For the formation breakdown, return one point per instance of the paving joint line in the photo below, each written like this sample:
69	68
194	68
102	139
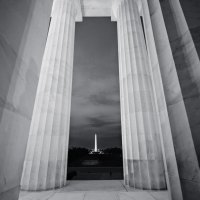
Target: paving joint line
84	195
124	186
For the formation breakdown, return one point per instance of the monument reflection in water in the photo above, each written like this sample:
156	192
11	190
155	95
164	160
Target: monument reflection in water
95	164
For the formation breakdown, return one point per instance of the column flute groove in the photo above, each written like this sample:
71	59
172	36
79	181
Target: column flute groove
182	141
43	171
122	105
131	54
126	67
46	157
135	90
52	159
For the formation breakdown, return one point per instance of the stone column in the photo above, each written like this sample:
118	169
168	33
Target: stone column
23	38
142	153
45	164
172	175
187	63
182	138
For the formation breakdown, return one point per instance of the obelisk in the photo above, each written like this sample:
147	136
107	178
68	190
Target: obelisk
95	143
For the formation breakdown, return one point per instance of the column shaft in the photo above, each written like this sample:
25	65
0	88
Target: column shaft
182	138
187	63
142	153
46	156
172	175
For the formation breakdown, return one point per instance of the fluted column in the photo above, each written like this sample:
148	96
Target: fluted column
172	174
142	153
45	164
182	139
187	63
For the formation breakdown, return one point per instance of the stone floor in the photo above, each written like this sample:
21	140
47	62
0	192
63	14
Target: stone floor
95	190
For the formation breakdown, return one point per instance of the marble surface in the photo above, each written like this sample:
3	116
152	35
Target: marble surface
187	65
195	32
23	32
191	88
96	8
142	152
95	190
186	57
172	92
192	15
45	164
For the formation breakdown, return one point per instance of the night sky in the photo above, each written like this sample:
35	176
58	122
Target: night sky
95	91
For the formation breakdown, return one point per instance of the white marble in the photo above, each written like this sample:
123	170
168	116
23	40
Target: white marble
45	165
172	175
96	8
83	190
180	127
142	152
23	32
150	94
188	70
95	185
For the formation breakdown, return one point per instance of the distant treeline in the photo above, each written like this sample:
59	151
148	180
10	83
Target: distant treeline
76	153
114	150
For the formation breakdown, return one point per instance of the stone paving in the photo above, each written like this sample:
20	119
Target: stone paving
95	190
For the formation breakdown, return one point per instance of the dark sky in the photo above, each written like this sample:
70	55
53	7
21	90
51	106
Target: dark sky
95	92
